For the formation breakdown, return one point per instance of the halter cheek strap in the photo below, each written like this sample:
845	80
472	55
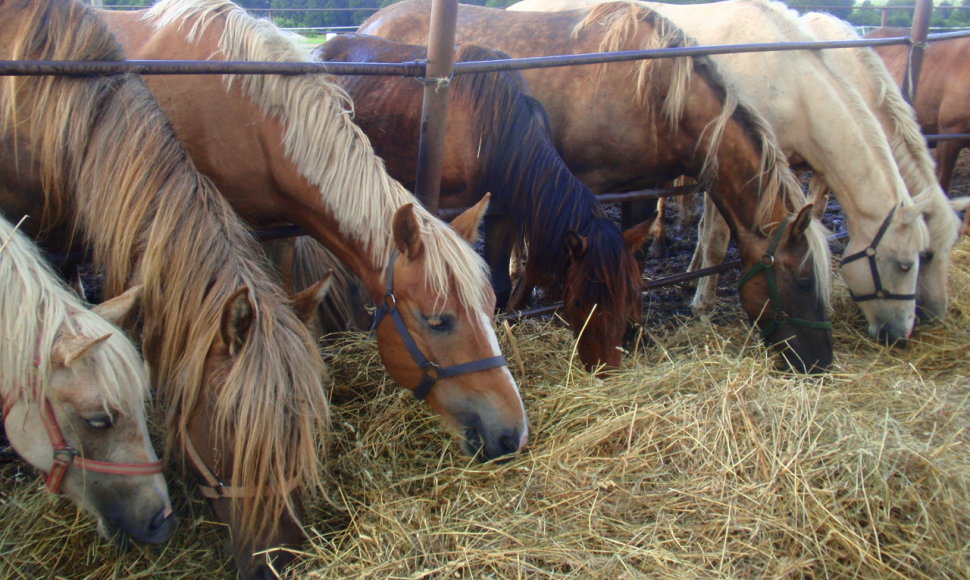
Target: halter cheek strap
778	316
880	293
431	372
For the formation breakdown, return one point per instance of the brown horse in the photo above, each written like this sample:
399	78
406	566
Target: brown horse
942	95
499	142
73	392
625	126
249	134
234	368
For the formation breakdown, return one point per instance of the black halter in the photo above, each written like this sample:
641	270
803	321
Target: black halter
778	316
880	293
432	372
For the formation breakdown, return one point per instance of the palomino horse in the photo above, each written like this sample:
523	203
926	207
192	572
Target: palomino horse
942	94
624	126
854	160
499	142
73	392
234	368
898	121
250	135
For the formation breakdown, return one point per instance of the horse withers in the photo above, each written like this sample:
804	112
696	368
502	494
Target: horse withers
74	391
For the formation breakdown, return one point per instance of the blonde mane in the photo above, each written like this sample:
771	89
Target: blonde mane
35	308
776	182
104	148
335	155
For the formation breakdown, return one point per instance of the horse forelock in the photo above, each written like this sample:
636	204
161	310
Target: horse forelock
31	286
336	157
114	150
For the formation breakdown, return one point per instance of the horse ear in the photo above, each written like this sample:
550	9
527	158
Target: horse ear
576	245
467	223
407	232
909	214
121	309
635	237
69	348
802	221
237	318
306	301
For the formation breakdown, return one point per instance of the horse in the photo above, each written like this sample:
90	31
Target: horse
624	126
855	161
869	76
96	161
942	106
498	142
435	304
73	393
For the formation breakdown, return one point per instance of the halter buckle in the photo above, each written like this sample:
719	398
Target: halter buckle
65	455
870	251
431	371
882	293
768	260
390	301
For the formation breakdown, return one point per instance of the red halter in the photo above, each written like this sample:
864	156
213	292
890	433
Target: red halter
66	456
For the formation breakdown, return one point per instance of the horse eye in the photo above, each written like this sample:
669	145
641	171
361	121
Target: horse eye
926	256
443	323
803	284
99	423
905	266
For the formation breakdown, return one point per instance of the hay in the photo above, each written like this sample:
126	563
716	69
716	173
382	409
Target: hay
699	460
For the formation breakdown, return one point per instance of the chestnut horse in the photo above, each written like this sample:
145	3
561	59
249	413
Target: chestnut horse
625	126
73	392
498	141
868	75
252	135
234	368
942	95
854	160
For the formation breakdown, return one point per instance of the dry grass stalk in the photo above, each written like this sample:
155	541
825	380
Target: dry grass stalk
699	460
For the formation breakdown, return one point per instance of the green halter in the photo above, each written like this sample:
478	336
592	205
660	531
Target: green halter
766	265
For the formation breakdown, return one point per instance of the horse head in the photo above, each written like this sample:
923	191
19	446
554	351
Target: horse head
601	293
782	293
86	430
442	346
882	274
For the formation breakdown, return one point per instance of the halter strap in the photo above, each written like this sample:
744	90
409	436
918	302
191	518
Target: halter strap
766	265
431	371
64	455
215	488
880	292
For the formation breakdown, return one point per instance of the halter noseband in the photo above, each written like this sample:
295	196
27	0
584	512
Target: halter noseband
766	265
880	293
431	371
65	456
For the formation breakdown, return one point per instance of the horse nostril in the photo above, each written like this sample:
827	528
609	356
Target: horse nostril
508	443
161	519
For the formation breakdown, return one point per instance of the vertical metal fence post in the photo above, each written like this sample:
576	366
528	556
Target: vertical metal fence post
434	115
917	39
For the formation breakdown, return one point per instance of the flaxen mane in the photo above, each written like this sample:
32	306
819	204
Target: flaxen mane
106	149
529	180
777	184
335	155
35	307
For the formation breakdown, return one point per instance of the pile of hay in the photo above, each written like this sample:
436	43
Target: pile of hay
698	460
